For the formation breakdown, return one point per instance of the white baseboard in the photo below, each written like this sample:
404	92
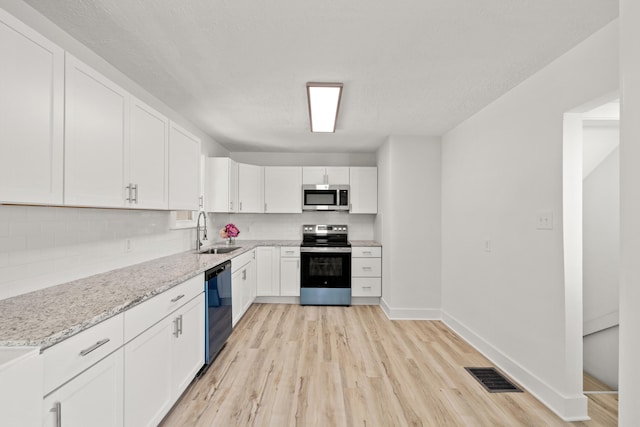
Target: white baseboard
410	313
569	408
277	300
296	300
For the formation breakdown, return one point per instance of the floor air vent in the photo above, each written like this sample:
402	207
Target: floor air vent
493	381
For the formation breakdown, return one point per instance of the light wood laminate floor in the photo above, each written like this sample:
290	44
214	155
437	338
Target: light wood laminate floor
288	365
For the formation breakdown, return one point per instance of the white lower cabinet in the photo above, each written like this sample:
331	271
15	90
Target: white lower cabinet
93	398
147	379
162	361
290	271
243	284
366	271
268	271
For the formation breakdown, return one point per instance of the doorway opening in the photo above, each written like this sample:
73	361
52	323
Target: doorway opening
591	222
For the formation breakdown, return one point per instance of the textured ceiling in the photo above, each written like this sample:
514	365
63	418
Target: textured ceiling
237	69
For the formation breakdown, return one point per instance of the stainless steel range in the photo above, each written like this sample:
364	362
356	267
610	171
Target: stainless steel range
325	273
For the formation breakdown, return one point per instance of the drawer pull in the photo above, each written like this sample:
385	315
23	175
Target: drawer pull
367	253
57	408
366	268
366	287
94	347
179	297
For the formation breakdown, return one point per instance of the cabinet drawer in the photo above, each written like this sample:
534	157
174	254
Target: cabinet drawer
366	252
65	360
146	314
366	267
242	260
290	252
366	287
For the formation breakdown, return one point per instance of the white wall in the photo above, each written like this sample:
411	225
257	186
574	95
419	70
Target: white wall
45	246
408	226
629	413
499	169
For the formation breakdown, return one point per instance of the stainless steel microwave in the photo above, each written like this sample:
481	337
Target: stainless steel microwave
324	197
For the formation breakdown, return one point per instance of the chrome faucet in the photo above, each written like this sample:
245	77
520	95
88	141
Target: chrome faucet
198	241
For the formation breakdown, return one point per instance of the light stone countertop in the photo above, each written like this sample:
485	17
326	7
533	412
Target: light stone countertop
364	243
46	317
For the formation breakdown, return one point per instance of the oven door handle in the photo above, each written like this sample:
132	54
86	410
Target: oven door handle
324	250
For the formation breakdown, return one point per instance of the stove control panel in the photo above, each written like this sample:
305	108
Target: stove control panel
324	229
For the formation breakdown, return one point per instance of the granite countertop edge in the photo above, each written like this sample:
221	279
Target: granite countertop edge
29	321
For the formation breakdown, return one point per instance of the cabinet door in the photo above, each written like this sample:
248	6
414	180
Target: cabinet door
290	277
337	176
31	107
250	188
96	119
188	356
93	398
267	271
313	175
237	295
148	159
184	169
147	376
364	190
221	185
282	189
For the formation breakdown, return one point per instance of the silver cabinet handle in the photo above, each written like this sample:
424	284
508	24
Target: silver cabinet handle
129	188
366	268
135	197
179	297
367	253
57	408
176	328
201	201
180	324
94	347
240	206
366	287
230	206
244	274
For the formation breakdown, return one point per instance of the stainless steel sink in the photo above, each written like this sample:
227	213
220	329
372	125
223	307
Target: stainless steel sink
219	251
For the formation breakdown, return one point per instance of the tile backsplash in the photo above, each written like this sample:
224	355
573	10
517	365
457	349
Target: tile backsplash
289	226
45	246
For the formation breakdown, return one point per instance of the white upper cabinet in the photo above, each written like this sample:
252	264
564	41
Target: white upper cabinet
184	169
148	164
363	190
96	135
325	175
250	188
282	189
32	111
221	185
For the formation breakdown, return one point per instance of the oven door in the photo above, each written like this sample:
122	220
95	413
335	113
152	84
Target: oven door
325	267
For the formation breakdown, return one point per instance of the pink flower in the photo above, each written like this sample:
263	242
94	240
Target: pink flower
231	230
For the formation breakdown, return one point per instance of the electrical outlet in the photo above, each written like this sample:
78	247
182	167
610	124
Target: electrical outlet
544	220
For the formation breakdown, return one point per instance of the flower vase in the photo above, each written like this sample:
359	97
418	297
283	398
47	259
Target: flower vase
230	241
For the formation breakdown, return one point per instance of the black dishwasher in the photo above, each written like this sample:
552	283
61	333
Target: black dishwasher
218	315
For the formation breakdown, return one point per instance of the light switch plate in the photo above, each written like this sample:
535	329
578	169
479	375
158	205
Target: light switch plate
544	220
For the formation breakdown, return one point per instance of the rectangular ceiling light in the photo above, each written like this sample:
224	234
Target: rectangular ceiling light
324	103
